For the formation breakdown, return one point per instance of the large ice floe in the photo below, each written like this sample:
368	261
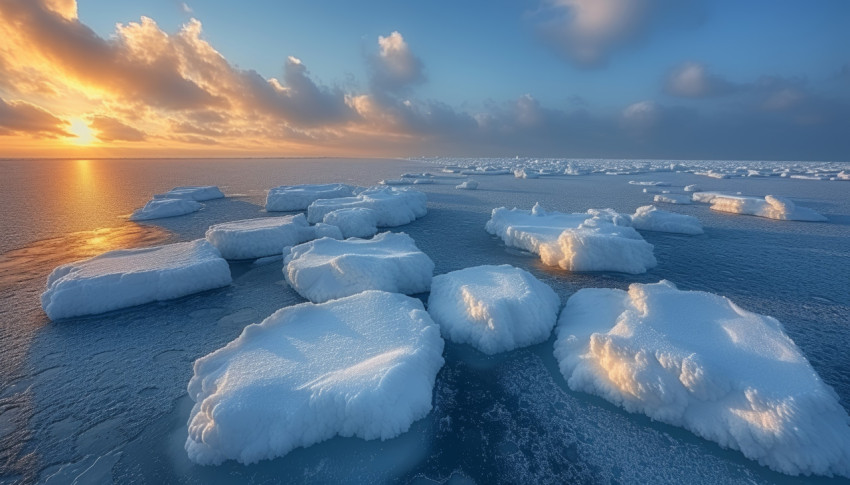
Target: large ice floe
392	206
326	269
129	277
353	221
257	238
298	197
493	308
161	208
198	193
696	360
650	218
771	207
360	366
598	240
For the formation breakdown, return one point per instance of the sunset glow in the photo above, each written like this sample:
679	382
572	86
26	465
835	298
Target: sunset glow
82	133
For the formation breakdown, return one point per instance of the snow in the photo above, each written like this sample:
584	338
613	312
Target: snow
650	218
392	206
257	238
297	197
696	360
599	240
771	207
672	199
467	185
160	208
325	269
353	222
197	193
493	308
361	366
124	278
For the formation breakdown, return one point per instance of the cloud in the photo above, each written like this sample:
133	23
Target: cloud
23	117
693	80
110	129
394	67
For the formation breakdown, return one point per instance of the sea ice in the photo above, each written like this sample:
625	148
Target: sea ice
392	206
297	197
525	173
707	197
650	184
197	193
493	308
771	207
672	198
124	278
353	222
257	238
693	188
161	208
650	218
592	241
467	185
696	360
325	269
360	366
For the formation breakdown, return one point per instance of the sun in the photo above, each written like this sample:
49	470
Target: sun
84	135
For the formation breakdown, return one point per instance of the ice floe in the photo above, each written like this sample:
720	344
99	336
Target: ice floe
198	193
493	308
693	188
353	222
392	206
467	185
361	366
161	208
696	360
771	207
257	238
672	198
297	197
592	241
650	218
325	269
124	278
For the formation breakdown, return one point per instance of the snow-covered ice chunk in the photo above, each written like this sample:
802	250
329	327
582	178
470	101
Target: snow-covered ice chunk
525	173
493	308
649	183
467	185
672	198
692	188
257	238
161	208
392	206
298	197
706	197
360	366
651	218
696	360
354	221
198	193
124	278
592	241
325	269
771	207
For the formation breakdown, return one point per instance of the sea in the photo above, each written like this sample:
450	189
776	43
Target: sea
102	399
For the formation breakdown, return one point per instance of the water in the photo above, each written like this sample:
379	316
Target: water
103	397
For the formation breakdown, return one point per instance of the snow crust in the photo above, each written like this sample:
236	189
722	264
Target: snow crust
360	366
771	207
124	278
257	238
392	206
326	269
493	308
598	240
287	198
696	360
160	208
197	193
650	218
354	221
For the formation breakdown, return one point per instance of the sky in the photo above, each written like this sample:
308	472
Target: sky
670	79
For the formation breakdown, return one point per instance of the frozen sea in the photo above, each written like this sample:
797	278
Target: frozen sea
103	399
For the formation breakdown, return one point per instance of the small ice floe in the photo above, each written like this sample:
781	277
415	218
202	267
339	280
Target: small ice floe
257	238
197	193
525	173
693	188
707	197
392	206
808	177
360	366
649	184
486	171
598	240
396	182
297	197
713	174
325	269
493	308
672	198
771	207
124	278
696	360
842	175
467	185
162	208
650	218
353	222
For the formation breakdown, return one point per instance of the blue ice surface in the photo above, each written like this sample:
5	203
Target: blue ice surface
104	397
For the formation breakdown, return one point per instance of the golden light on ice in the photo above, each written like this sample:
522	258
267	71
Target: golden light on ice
84	135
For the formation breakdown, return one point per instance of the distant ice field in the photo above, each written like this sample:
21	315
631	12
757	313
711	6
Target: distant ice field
103	398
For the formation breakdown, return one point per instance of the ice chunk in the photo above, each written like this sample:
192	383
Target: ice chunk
467	185
124	278
672	198
325	230
360	366
649	183
299	197
706	197
693	188
650	218
392	206
525	173
257	238
696	360
771	207
354	221
198	193
493	308
325	269
160	208
593	241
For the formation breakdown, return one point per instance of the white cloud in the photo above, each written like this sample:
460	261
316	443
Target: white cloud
693	80
395	67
